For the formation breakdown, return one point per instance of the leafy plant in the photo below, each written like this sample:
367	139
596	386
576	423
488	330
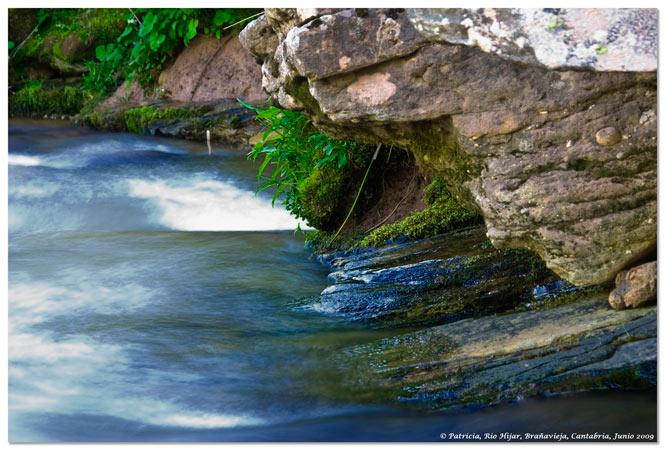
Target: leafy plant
150	39
291	150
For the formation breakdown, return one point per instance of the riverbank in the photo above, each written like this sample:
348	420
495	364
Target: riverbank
142	258
471	213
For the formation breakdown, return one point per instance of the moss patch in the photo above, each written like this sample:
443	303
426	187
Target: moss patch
443	213
34	100
64	39
138	120
321	193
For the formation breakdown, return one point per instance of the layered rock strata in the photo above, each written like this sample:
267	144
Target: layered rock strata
561	162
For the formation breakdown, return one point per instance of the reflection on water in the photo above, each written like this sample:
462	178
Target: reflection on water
126	324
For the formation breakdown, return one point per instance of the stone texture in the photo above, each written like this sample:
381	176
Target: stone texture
577	347
518	141
635	287
433	281
609	39
259	38
493	326
608	136
210	69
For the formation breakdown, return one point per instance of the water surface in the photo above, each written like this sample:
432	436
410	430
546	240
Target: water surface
151	298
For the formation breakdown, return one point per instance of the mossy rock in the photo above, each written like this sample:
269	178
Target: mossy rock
65	39
21	22
321	193
33	100
138	120
443	213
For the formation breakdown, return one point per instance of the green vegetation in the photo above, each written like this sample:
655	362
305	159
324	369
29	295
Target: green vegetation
306	168
104	47
442	213
35	99
150	39
66	36
138	120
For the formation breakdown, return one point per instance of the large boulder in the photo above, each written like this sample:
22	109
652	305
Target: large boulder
211	69
562	162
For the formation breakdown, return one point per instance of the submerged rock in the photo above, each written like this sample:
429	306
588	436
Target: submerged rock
517	140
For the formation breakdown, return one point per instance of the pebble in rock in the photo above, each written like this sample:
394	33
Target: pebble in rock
608	136
635	287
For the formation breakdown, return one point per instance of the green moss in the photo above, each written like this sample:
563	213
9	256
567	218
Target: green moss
139	120
35	100
321	194
103	24
443	213
65	38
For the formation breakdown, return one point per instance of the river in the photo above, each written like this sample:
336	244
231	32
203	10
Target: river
151	298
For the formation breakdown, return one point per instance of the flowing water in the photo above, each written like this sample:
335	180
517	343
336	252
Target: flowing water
151	298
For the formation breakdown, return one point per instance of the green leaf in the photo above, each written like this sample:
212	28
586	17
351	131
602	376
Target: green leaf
149	21
191	30
100	52
12	44
126	32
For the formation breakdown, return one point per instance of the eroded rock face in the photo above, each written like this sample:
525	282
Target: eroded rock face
577	347
560	162
635	287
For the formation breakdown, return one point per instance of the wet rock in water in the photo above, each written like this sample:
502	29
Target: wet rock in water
493	326
635	287
434	281
580	346
480	105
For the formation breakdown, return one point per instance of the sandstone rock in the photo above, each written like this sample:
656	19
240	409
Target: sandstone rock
577	347
284	19
635	287
210	69
259	38
608	136
126	94
518	141
593	39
